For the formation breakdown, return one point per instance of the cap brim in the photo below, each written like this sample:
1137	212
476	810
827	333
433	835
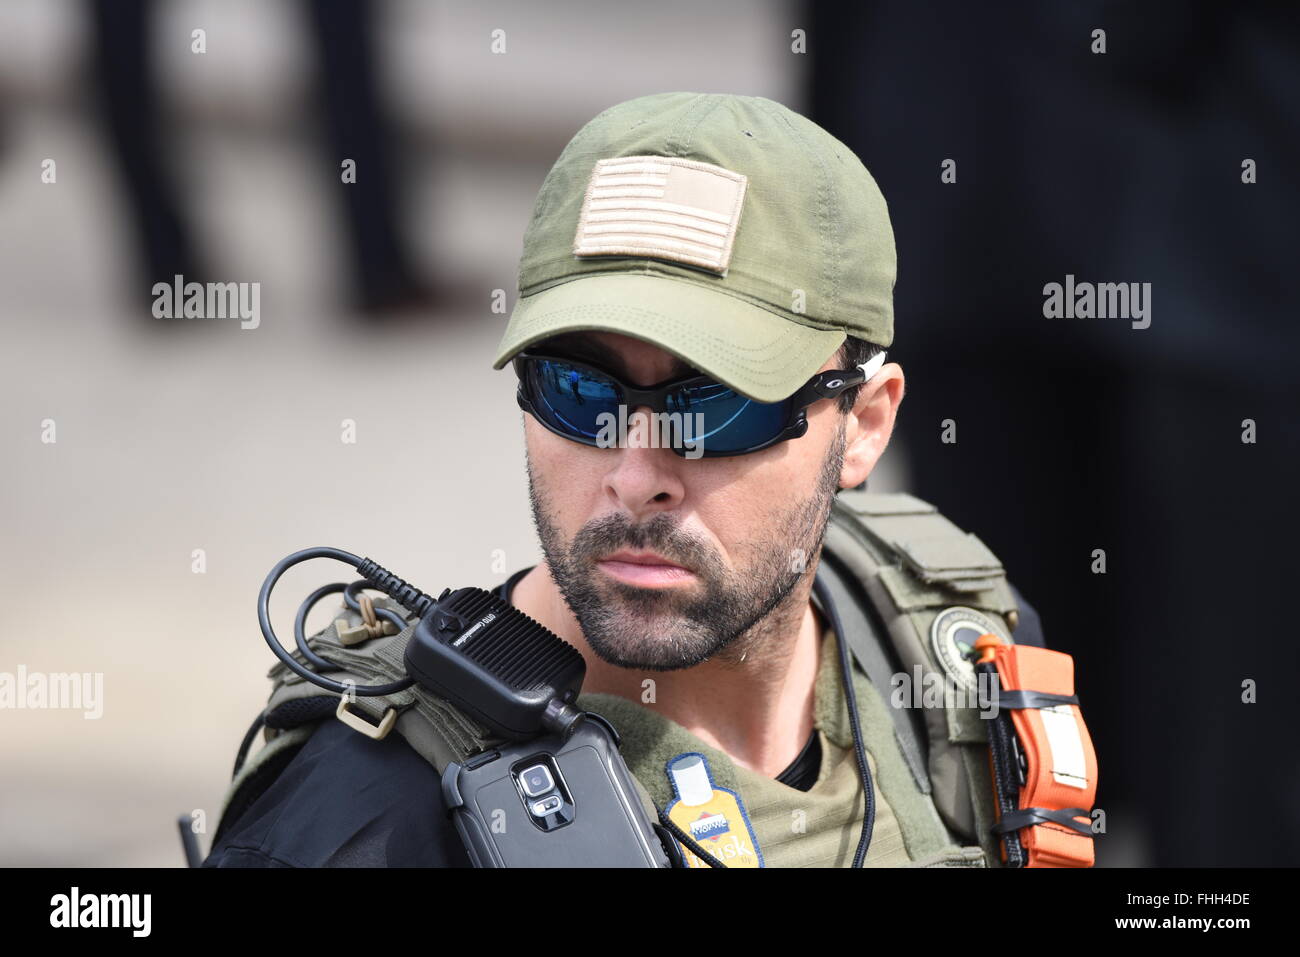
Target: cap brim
760	354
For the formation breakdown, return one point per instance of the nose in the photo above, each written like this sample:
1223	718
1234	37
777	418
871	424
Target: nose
644	481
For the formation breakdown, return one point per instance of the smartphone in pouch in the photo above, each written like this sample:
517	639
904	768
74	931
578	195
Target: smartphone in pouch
549	802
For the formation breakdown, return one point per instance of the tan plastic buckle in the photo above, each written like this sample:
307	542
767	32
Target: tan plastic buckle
369	627
357	723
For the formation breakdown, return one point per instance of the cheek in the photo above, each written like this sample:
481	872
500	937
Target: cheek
569	475
769	481
746	497
825	427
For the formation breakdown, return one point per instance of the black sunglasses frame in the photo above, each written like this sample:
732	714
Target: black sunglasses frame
824	385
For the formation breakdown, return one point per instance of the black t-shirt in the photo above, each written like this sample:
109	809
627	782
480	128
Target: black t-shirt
345	800
803	770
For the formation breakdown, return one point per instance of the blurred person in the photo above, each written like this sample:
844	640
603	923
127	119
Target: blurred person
385	279
384	273
128	93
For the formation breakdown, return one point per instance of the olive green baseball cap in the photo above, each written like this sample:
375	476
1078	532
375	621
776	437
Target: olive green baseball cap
727	230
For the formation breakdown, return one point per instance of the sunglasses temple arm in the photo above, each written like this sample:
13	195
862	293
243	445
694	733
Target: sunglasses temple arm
872	366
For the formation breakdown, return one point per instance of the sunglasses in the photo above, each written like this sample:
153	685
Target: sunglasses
580	401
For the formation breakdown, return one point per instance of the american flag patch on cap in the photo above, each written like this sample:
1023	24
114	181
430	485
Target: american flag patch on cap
662	207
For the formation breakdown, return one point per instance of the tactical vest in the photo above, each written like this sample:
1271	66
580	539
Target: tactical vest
902	578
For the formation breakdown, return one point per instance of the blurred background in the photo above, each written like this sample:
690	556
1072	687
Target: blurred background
191	455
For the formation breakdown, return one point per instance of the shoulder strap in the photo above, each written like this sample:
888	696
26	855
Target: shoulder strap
437	731
874	655
915	571
257	774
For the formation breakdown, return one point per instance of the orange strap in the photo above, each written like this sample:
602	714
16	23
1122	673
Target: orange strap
1061	764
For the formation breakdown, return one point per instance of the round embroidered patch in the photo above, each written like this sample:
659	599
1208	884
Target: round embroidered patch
952	636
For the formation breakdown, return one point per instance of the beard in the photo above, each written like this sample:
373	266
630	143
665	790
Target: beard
729	614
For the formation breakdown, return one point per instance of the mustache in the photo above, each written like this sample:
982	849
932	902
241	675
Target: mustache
661	534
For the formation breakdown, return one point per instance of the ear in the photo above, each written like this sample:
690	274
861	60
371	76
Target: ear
870	424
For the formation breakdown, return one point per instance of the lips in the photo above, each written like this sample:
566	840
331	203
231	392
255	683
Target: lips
645	569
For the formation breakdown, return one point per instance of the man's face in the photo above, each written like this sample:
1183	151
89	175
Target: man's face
666	561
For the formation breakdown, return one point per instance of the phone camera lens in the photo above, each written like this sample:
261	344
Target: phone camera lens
537	780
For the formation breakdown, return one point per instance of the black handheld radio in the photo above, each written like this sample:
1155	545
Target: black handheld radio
556	792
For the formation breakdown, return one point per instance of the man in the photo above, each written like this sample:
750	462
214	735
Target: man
722	267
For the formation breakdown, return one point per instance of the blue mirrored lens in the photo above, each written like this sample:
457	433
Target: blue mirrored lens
731	422
571	398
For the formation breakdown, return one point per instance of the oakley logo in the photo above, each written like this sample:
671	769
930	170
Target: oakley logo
869	369
661	207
